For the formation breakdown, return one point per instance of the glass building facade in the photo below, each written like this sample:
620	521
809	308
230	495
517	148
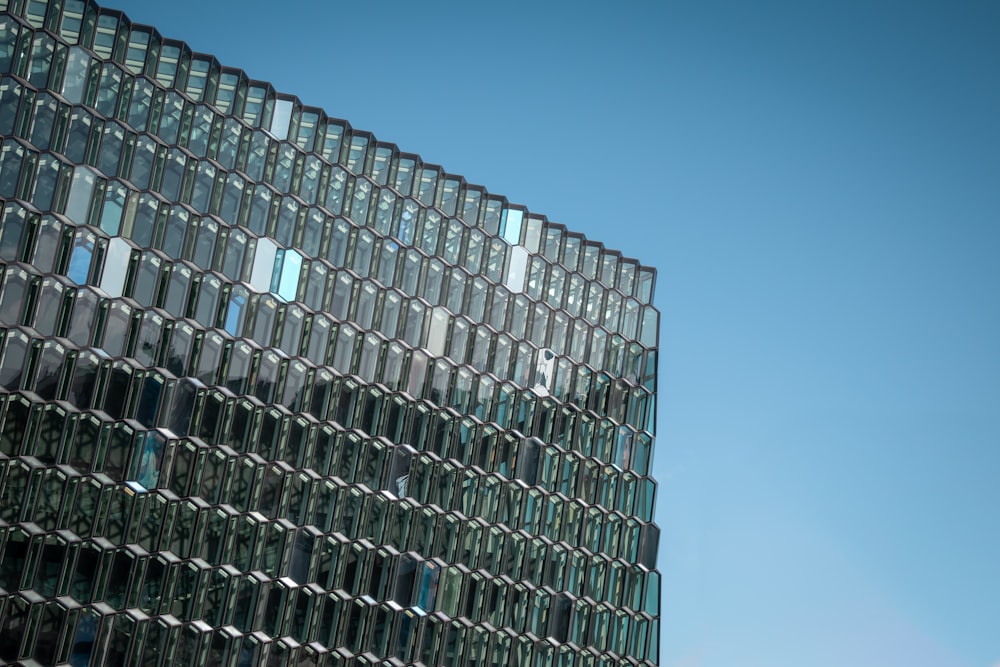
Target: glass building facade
274	392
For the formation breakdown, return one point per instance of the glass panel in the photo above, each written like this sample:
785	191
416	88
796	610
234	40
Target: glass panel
286	272
510	225
263	265
42	55
78	205
281	119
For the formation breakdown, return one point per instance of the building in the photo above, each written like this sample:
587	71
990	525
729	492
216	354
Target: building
274	392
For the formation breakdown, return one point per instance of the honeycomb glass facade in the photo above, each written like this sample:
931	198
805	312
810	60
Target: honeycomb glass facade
274	392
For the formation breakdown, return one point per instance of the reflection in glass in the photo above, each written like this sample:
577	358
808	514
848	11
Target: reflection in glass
332	377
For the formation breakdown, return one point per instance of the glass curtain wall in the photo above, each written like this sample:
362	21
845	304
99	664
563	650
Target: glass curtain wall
273	391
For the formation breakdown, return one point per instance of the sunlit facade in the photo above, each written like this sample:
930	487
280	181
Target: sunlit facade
274	392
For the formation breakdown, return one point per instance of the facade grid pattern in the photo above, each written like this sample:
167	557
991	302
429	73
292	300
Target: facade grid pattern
274	392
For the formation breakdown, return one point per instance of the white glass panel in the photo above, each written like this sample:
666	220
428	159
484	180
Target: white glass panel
80	192
115	266
263	265
438	334
281	119
544	369
76	75
516	269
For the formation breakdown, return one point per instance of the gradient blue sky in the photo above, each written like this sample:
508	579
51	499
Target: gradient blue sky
818	185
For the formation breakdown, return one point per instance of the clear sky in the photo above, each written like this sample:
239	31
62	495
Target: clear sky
818	185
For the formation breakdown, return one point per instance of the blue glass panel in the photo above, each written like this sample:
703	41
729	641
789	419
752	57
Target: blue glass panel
234	313
79	262
510	225
427	586
406	228
149	457
285	276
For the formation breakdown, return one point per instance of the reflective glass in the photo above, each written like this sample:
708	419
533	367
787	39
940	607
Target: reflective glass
294	395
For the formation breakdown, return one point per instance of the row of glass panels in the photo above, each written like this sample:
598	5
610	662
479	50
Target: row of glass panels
84	318
279	168
136	274
123	391
112	90
122	451
116	208
62	631
61	564
276	548
344	295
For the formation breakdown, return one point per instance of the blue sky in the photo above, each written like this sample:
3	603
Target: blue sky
818	185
